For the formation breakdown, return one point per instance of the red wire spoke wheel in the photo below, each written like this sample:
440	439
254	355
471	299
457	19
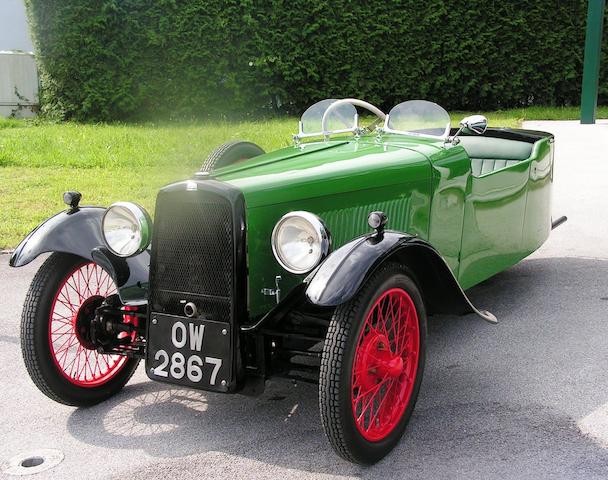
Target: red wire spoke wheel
372	365
386	362
82	291
58	351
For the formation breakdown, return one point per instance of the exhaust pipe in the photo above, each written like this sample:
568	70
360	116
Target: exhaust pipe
558	222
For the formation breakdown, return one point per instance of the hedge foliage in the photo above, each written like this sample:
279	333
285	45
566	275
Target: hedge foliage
117	59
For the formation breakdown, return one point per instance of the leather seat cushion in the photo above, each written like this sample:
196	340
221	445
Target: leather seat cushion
486	147
488	154
481	166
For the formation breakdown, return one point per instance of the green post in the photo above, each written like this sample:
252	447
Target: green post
591	67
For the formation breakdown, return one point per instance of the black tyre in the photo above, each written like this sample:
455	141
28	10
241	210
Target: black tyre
55	340
372	366
229	153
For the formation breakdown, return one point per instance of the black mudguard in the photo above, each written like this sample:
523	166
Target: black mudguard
341	275
79	232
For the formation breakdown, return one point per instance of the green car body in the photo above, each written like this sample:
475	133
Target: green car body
480	225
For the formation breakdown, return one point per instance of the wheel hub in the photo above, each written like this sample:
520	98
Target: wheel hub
83	319
378	361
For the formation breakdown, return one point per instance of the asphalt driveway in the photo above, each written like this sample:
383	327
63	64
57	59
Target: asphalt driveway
523	399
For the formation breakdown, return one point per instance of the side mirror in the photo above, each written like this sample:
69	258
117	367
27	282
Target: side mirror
474	124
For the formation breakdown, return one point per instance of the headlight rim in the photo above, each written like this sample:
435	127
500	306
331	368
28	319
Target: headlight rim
320	229
143	220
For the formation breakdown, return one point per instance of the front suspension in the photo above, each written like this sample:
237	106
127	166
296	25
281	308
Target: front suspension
118	329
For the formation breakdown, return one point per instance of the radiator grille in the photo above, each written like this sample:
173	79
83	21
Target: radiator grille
193	254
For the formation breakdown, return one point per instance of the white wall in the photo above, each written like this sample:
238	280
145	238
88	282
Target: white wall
18	71
14	31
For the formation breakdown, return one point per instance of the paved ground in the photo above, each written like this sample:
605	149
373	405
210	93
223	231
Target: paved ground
505	401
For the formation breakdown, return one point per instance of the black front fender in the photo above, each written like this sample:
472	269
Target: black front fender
343	273
79	232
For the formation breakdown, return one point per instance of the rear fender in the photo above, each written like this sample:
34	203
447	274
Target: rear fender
79	232
343	273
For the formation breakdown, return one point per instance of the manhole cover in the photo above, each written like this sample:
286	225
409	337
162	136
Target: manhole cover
33	462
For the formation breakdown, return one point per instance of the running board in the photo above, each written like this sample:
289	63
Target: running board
558	222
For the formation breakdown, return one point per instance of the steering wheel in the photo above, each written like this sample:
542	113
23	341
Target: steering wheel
356	102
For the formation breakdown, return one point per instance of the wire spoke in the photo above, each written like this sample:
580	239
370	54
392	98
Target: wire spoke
376	415
371	390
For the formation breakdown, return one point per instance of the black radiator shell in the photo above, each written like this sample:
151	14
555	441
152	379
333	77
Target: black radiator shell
197	225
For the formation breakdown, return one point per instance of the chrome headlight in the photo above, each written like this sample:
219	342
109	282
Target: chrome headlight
300	241
126	228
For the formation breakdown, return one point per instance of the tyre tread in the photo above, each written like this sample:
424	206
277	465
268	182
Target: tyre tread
28	322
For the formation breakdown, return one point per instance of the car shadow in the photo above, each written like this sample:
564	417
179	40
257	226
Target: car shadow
496	400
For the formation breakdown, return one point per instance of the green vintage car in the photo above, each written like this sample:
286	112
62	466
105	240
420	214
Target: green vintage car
318	262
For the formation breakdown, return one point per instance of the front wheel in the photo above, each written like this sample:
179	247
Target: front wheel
372	366
55	333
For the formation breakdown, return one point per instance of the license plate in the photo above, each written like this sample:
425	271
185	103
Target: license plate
191	352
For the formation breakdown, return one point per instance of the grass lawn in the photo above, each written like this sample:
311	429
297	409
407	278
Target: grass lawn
107	163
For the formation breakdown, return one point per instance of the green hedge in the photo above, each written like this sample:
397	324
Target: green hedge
116	59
